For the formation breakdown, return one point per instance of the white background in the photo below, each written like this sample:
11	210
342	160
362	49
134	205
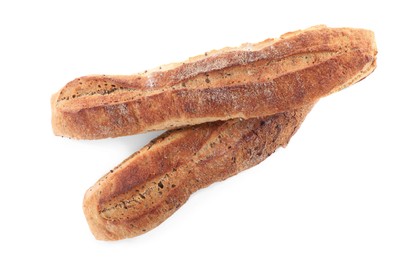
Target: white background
340	190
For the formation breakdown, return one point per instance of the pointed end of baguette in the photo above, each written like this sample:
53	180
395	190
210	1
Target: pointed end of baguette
367	48
99	226
55	122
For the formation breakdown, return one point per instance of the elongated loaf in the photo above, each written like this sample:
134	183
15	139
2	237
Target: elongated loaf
152	184
253	80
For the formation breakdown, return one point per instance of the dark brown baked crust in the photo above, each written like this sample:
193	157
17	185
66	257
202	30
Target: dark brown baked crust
153	183
249	81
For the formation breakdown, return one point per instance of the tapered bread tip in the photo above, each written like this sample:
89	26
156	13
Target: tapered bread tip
55	118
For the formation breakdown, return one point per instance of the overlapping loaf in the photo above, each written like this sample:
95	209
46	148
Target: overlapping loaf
152	184
250	81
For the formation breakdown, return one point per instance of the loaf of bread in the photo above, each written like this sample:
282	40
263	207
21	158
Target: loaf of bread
253	80
153	183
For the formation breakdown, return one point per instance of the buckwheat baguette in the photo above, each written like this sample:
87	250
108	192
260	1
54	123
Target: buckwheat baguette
152	184
250	81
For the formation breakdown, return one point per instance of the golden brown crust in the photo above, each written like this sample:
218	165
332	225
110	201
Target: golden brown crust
245	82
273	84
153	183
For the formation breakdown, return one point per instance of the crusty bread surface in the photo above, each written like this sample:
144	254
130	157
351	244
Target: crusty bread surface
152	184
249	81
228	110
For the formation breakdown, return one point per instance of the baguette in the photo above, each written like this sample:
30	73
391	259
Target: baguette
253	80
152	184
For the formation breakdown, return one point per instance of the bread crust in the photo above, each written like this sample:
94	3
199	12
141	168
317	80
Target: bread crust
249	81
262	92
152	184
